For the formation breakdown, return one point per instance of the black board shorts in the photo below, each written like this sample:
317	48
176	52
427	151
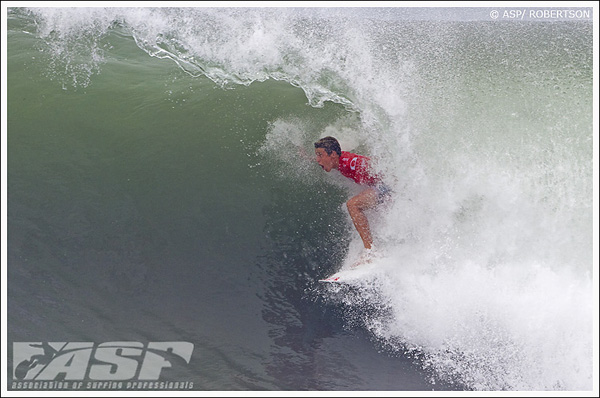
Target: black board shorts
383	192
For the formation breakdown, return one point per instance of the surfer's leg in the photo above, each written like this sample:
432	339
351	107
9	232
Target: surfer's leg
365	200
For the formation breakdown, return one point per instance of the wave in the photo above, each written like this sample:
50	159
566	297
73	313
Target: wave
483	131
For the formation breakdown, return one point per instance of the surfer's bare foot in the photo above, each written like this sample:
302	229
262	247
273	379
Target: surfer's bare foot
358	263
365	258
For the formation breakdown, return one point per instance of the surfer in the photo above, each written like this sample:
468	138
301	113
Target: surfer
356	167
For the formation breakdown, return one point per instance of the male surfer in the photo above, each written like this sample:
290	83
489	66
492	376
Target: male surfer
356	167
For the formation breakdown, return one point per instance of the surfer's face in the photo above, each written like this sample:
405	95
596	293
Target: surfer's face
327	162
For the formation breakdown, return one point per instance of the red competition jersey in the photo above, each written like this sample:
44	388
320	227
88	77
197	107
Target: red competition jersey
356	167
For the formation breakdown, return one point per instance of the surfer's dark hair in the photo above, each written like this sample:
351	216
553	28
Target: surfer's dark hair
330	145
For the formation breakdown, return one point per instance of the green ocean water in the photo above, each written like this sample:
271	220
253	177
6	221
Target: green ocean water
157	191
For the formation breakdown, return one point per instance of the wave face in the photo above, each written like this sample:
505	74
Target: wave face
156	190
